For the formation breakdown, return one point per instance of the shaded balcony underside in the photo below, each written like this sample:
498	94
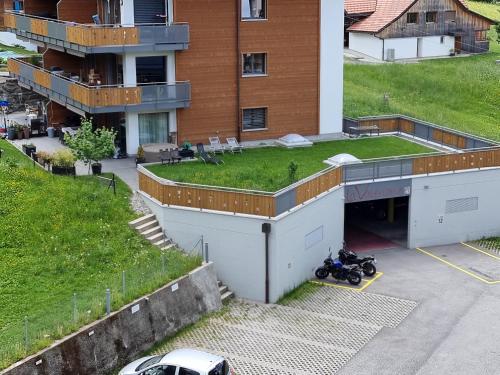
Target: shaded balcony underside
101	99
87	39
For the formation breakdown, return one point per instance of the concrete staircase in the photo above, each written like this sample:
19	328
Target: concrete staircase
149	227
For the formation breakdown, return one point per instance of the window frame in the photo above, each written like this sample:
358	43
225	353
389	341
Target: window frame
435	17
483	35
249	75
266	120
258	19
417	15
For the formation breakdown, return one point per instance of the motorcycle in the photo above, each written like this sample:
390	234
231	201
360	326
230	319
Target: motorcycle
367	264
339	271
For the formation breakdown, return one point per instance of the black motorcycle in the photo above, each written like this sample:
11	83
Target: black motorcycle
367	264
339	271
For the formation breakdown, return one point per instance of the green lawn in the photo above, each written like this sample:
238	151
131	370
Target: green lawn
60	236
266	169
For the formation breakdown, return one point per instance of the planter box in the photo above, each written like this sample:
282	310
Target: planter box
28	150
186	153
65	171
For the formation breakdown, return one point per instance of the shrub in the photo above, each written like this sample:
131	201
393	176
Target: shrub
44	157
63	158
292	171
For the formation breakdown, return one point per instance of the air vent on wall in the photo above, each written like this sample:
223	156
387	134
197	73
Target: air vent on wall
462	205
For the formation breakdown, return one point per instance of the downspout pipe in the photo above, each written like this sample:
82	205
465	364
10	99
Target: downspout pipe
266	229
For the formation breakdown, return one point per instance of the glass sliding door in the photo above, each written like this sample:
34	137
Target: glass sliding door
153	128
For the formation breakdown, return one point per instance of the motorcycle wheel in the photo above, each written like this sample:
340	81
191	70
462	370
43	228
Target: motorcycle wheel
354	278
369	269
321	273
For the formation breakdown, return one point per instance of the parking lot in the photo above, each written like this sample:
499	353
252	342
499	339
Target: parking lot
434	311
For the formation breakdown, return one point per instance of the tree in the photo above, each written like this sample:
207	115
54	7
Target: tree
91	146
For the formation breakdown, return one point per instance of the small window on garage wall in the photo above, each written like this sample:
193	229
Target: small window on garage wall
314	238
254	119
412	18
431	17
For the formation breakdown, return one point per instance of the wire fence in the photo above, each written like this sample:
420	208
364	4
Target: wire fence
30	333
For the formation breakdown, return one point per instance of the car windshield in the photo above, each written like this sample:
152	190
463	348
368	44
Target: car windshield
149	362
221	368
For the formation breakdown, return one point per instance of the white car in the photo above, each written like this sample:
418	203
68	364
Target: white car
179	362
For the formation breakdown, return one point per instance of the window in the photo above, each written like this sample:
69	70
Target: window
480	36
431	17
153	128
149	362
221	369
185	371
442	40
160	370
254	64
253	9
412	18
450	16
254	119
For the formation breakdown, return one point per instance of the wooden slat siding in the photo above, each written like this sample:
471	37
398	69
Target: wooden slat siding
449	139
40	27
42	78
9	20
406	126
456	162
13	66
95	37
105	97
319	185
385	125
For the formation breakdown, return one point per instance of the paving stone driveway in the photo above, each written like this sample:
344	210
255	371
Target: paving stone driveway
315	335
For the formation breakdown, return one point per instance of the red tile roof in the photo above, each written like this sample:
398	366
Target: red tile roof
385	13
360	6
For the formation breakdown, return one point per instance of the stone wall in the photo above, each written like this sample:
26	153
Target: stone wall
121	337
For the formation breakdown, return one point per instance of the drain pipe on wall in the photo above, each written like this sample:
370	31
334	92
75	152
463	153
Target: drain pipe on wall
266	229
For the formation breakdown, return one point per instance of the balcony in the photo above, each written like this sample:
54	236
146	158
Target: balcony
90	38
81	98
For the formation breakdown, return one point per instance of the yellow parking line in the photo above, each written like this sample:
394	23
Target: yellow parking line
480	251
459	268
366	285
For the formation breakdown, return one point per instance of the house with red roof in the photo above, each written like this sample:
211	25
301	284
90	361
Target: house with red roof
403	29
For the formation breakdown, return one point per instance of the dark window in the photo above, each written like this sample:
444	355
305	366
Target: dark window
254	118
151	69
450	15
149	362
221	369
254	64
431	17
185	371
253	9
160	370
412	18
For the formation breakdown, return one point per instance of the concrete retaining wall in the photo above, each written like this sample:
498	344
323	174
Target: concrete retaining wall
115	340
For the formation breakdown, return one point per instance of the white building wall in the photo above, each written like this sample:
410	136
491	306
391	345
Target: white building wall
432	46
404	48
331	66
367	44
430	225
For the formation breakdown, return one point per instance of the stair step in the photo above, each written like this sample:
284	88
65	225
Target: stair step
148	233
163	242
227	296
144	227
144	219
155	238
168	247
223	289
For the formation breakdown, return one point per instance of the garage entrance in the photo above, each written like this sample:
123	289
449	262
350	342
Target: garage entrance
376	215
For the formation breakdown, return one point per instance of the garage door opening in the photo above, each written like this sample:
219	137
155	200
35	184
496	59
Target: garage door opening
377	224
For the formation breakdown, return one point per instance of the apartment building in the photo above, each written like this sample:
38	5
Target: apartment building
182	70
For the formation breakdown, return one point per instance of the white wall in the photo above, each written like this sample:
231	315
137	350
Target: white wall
331	66
427	206
405	48
132	132
367	44
293	262
432	46
10	39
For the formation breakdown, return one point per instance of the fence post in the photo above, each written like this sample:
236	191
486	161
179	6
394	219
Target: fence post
124	284
75	311
206	253
108	301
26	339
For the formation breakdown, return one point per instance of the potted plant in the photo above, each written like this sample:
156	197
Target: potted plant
29	149
92	146
63	163
11	132
19	131
141	156
186	151
26	132
44	158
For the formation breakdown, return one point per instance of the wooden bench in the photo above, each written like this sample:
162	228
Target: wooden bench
358	130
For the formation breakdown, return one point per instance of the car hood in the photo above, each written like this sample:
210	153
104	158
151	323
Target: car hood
130	368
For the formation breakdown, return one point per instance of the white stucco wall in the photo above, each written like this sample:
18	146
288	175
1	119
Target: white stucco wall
432	46
367	44
427	207
405	48
331	66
